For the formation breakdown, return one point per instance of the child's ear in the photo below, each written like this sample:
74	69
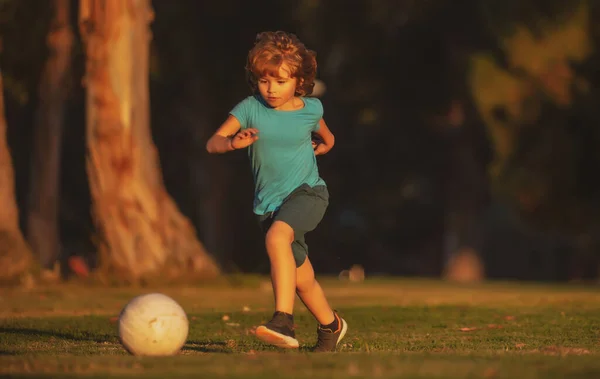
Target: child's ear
299	90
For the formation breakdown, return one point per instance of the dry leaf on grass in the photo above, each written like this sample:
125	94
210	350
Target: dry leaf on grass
353	369
467	329
79	267
490	373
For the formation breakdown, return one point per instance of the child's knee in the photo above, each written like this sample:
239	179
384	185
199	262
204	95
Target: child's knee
279	233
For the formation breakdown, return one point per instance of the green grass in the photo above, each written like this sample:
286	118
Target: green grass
398	328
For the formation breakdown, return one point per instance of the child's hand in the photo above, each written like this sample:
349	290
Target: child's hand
321	149
317	145
244	138
316	140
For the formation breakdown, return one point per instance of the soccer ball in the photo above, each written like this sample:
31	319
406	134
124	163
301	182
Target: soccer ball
153	325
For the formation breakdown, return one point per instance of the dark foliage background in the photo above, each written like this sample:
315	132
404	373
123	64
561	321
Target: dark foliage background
411	175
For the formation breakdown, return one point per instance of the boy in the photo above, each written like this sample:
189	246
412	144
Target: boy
276	124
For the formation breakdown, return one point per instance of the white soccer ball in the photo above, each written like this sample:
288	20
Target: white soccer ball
153	325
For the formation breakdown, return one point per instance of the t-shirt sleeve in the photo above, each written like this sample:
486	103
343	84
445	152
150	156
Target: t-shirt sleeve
241	111
318	106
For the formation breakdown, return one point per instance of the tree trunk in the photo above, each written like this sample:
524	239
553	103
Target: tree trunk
141	232
15	256
43	221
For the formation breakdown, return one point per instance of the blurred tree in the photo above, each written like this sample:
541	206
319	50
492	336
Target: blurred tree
524	100
44	187
141	232
537	69
539	101
15	255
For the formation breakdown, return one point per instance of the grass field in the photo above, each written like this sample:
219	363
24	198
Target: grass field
398	328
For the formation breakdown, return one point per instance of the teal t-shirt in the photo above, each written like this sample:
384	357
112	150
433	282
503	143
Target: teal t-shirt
282	159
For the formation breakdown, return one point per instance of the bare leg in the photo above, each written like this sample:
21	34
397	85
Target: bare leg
312	295
283	267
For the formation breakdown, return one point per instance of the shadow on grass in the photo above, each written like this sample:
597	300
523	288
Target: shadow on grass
191	346
208	347
80	336
225	347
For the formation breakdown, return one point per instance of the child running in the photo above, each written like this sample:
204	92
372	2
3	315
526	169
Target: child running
277	125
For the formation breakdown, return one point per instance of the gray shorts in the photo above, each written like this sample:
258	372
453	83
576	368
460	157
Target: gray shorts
302	210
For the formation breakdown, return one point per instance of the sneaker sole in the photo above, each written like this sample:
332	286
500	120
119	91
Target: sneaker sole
276	339
343	332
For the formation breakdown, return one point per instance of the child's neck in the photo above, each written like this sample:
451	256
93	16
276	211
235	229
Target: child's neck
292	104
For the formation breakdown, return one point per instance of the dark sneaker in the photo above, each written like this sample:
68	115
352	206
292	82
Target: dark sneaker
278	332
327	339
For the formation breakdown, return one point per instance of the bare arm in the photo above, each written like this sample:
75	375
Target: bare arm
227	138
327	139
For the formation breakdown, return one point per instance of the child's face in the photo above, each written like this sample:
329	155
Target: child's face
277	91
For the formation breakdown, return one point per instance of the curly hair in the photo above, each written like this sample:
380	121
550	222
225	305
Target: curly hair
271	50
